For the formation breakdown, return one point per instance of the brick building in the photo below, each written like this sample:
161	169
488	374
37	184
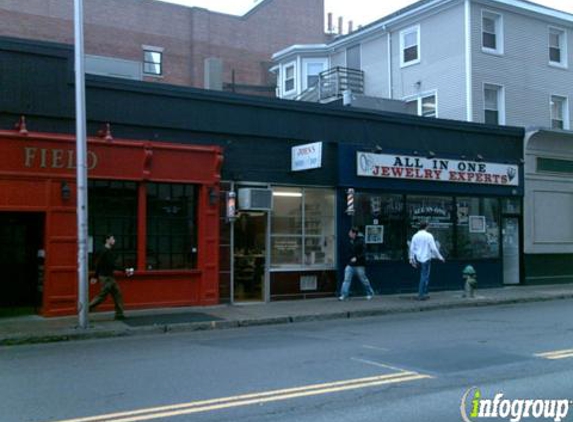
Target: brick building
156	41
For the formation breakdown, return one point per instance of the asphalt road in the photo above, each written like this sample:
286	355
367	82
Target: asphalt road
408	367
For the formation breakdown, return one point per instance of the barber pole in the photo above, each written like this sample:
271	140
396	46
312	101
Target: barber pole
350	201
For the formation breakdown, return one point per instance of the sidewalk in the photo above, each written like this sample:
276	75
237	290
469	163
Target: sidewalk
36	329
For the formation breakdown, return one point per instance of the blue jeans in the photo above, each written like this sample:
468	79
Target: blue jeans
424	278
349	272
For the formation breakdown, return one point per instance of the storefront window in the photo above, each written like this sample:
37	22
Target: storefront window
381	219
302	228
171	226
478	228
113	210
438	212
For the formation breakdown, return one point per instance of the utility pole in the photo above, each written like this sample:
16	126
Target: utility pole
81	165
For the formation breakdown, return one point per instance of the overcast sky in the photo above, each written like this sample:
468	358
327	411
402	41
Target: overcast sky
360	12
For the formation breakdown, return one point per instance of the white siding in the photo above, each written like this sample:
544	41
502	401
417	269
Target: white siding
442	65
375	67
523	70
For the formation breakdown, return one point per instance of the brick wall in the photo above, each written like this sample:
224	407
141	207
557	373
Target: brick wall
119	28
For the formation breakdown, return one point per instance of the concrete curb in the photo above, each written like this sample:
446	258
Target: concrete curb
71	334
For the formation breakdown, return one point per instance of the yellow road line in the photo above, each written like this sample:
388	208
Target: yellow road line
250	399
556	354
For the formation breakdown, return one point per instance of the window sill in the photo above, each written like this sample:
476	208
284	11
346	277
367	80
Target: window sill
408	64
498	53
558	65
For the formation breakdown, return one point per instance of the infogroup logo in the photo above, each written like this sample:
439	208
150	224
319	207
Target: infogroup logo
474	407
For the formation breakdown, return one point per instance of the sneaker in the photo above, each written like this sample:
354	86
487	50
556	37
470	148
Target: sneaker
119	317
341	298
369	297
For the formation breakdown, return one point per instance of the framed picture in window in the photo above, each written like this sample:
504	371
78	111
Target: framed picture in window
477	223
374	234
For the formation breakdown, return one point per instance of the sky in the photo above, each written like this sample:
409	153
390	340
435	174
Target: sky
361	12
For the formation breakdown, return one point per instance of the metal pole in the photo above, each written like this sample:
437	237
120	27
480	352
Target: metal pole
81	166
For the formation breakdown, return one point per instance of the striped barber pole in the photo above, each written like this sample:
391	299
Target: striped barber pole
350	201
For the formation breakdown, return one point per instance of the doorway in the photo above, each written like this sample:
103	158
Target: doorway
511	241
250	247
21	260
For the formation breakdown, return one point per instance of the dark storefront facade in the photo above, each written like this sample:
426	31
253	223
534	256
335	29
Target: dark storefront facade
288	236
468	204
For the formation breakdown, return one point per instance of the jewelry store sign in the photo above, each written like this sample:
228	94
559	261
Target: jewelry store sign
306	157
435	169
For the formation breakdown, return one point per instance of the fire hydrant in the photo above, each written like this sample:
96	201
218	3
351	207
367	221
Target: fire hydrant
470	277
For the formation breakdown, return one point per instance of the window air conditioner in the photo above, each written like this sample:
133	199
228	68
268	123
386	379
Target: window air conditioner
255	199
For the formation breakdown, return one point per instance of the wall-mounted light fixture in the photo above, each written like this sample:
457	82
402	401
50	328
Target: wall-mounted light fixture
231	206
65	190
431	154
213	196
479	157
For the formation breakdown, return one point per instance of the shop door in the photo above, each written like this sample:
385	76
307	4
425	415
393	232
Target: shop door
21	239
510	234
249	256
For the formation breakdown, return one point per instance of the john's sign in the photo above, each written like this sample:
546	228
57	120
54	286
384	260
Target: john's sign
442	170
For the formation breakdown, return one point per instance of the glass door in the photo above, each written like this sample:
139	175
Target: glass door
510	234
249	256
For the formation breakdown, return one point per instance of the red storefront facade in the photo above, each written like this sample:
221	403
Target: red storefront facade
38	216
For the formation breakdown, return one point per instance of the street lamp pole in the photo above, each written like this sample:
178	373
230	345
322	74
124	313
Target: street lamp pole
81	165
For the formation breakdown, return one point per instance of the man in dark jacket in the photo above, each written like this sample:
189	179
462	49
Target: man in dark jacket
105	266
356	265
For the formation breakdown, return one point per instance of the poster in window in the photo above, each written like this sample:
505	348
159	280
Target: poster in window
477	224
374	234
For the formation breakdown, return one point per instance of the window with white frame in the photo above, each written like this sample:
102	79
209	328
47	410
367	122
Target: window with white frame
424	105
312	71
289	78
410	46
493	104
492	32
559	112
557	47
152	61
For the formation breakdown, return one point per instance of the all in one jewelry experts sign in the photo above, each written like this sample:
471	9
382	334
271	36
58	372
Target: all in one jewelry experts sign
435	169
306	157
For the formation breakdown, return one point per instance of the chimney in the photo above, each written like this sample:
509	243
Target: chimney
340	25
330	28
350	27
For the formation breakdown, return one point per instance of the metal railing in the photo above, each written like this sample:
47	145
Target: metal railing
332	83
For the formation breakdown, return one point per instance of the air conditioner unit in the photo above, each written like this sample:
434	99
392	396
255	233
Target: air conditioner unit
255	199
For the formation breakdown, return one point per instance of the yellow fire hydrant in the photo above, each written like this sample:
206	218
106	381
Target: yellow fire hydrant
470	277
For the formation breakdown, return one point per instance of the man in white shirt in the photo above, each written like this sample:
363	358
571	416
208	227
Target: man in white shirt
422	249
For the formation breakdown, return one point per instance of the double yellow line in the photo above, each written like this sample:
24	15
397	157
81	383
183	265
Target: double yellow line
251	399
557	354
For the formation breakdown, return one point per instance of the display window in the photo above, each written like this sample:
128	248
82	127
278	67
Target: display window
464	227
303	228
171	226
478	228
171	230
112	209
437	211
381	217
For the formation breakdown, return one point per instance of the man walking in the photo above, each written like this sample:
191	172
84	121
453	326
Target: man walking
105	265
356	265
422	249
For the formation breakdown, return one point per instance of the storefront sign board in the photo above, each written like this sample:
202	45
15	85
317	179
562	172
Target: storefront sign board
435	169
306	157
